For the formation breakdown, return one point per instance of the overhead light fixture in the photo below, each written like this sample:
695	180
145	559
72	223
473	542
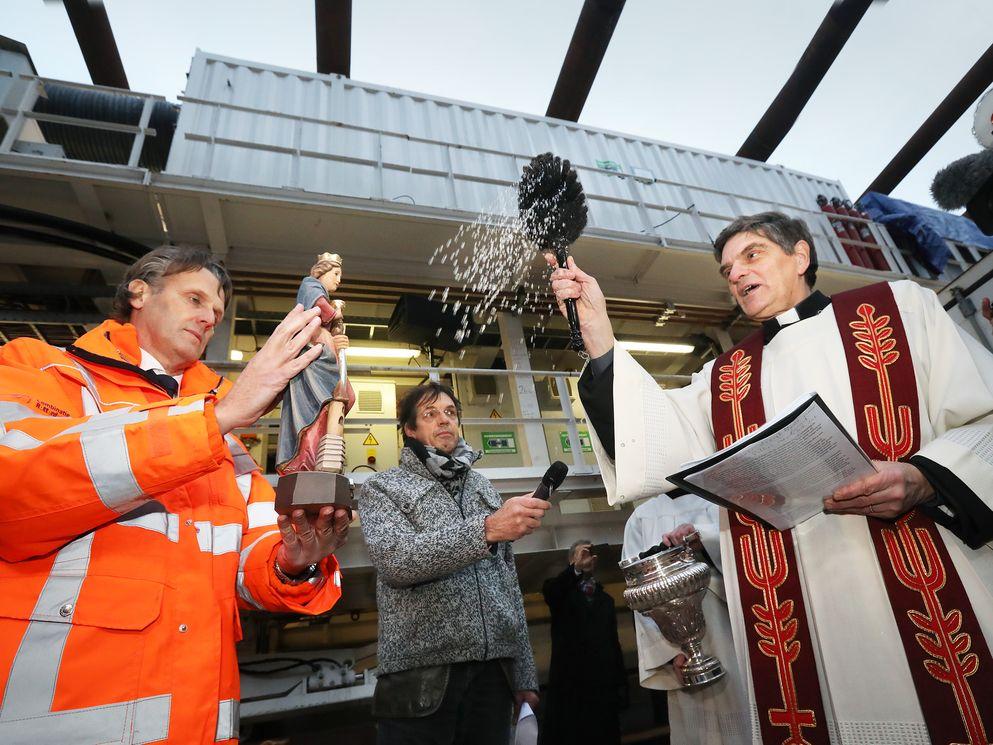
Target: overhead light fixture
658	347
236	355
383	353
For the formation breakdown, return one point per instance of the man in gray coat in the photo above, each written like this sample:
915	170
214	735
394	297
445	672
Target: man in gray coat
454	655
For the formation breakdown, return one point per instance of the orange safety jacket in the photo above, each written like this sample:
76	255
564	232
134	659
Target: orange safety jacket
129	538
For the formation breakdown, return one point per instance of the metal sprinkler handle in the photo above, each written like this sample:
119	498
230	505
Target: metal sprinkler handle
572	314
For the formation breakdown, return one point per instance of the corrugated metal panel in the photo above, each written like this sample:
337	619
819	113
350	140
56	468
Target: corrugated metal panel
248	123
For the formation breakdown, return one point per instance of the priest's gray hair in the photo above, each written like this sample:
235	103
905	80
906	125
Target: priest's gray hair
781	229
163	262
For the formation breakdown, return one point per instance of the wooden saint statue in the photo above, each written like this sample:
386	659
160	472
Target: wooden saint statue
310	457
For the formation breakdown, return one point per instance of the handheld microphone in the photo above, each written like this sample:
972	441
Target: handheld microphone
552	480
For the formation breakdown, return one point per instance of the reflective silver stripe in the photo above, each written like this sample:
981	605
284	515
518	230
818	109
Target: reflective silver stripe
91	386
261	514
17	440
111	420
26	714
153	516
243	461
204	535
94	424
105	450
227	720
137	722
243	592
11	412
31	685
218	539
227	539
186	408
244	483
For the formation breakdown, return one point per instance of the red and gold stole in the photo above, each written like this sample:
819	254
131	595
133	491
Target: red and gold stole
946	651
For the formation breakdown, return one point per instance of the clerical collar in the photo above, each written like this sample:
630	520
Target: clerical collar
809	307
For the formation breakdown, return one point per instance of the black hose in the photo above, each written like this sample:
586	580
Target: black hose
100	145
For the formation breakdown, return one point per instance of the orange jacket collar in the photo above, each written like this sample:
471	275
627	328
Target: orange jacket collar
119	342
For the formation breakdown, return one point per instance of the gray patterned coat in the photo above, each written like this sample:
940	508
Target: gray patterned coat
443	595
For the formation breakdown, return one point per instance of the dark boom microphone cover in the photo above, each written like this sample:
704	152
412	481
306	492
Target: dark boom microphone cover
552	480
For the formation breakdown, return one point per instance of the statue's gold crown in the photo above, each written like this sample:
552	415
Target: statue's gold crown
329	258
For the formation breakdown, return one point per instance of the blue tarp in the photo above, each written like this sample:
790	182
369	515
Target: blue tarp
927	227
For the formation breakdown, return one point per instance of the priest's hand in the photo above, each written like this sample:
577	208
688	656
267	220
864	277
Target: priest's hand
676	536
573	282
894	489
678	663
307	540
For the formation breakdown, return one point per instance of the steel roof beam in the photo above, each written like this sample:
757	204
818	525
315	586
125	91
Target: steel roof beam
96	41
817	58
333	19
594	28
956	103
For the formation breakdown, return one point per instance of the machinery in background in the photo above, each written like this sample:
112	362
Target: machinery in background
369	444
273	685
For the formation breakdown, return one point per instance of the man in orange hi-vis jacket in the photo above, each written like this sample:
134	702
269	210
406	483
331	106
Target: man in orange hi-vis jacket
133	525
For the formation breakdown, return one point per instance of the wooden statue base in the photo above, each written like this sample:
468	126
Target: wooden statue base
312	490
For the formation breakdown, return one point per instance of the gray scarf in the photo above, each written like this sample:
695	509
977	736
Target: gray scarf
443	466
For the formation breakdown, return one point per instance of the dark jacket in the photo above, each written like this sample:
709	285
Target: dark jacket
586	678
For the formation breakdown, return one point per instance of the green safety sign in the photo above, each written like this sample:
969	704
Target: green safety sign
499	443
584	441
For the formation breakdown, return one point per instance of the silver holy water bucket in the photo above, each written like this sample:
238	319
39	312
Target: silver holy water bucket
668	587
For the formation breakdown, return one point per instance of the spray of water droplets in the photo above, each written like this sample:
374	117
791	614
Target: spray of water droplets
496	267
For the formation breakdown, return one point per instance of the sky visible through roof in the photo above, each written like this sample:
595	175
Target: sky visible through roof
699	74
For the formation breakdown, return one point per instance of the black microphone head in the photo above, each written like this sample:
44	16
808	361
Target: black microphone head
555	475
957	183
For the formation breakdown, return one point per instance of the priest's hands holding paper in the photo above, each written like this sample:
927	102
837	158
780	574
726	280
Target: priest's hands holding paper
573	282
894	489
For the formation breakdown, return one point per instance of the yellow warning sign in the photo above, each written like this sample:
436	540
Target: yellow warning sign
496	414
370	440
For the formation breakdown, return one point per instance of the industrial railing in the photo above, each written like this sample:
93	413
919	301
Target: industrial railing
561	434
18	116
647	193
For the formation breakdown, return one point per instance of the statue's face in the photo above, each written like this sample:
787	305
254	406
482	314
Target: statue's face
331	279
437	424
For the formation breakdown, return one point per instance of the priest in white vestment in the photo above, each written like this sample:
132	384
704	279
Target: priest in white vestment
643	433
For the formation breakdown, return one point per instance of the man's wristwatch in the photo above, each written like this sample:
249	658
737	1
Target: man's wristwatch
310	574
